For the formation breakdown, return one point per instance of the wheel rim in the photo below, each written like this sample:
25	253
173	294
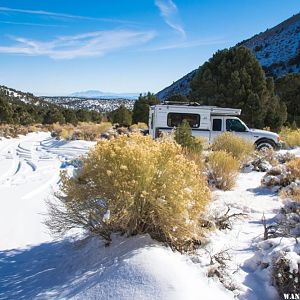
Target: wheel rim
265	147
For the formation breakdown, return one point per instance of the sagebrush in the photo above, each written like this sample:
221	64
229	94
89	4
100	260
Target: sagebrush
223	169
240	148
291	137
134	185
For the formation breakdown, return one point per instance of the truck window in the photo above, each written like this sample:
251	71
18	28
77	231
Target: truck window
217	125
175	119
235	125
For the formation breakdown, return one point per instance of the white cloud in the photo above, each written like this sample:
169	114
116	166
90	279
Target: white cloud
170	14
31	24
189	44
60	15
88	44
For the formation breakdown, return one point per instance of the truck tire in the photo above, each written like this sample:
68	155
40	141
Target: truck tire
265	144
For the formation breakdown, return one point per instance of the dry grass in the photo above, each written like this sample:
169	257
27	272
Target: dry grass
240	148
13	131
138	126
223	169
293	166
291	193
290	137
135	185
285	280
83	131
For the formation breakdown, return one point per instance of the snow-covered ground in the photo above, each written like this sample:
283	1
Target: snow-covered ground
34	265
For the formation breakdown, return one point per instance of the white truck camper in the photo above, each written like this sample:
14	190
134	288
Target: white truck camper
206	121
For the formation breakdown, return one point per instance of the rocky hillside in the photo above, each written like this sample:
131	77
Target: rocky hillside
277	49
15	95
181	86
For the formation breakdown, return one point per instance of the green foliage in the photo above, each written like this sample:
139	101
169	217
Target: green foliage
54	116
288	88
142	106
6	112
35	110
178	98
70	116
234	78
183	136
121	116
135	185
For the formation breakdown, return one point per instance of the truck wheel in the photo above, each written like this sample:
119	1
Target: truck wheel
265	145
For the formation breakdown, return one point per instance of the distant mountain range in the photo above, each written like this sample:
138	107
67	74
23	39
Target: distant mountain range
277	49
104	95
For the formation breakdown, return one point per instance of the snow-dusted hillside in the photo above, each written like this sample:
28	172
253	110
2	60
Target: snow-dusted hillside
21	96
100	105
181	86
277	49
34	265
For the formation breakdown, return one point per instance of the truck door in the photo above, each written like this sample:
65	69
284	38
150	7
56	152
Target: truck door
237	127
217	127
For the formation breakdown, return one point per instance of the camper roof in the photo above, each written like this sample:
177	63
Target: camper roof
214	110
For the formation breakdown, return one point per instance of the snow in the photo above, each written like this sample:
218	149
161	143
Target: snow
34	265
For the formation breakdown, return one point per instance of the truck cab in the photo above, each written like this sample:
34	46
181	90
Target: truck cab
261	138
207	121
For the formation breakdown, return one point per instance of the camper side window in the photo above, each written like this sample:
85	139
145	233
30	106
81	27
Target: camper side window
217	124
175	119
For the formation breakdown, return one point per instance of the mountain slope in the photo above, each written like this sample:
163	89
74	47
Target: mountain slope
15	95
104	95
277	49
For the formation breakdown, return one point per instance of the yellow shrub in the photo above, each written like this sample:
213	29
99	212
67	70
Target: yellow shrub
294	167
67	133
240	148
290	137
139	125
92	131
292	193
223	169
135	185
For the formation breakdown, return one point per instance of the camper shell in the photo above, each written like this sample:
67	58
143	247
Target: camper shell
205	121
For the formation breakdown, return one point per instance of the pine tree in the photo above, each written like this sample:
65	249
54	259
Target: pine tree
121	116
183	135
142	106
234	78
288	88
178	98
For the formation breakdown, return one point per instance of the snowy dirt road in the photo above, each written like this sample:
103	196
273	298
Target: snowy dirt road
35	266
29	171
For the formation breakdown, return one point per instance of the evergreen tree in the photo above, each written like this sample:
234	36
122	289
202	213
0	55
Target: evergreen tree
83	115
54	116
234	78
183	134
142	106
6	112
288	89
178	98
70	116
121	116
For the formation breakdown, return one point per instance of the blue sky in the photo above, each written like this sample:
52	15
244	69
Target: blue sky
62	46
